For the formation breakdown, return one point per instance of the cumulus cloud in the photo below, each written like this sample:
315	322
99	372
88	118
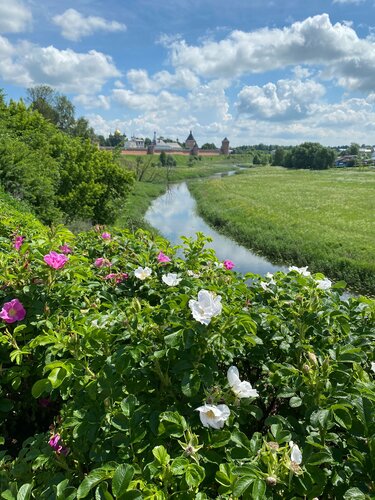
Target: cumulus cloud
75	26
313	41
66	70
150	102
15	17
183	78
285	100
92	101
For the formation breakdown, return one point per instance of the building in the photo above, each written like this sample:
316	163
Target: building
190	142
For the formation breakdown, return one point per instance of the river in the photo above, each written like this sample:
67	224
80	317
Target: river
174	214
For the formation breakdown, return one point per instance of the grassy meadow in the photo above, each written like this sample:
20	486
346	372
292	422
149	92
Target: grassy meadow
323	219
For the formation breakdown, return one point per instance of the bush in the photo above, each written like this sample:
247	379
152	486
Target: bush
103	378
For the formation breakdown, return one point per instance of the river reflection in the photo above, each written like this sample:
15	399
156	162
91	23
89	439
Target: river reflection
174	214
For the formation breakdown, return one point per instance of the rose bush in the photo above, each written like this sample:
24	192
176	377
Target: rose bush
132	388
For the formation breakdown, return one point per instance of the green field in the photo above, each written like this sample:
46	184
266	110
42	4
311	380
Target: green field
323	219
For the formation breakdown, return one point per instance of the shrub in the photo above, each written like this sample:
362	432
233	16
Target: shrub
143	378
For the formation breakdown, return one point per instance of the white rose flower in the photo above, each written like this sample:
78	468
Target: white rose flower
300	270
324	284
373	366
213	415
142	273
206	307
295	454
171	279
240	389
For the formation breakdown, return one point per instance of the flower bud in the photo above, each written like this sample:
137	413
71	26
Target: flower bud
305	368
271	481
273	445
312	358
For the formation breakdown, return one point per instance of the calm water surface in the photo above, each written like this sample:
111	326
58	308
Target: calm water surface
174	215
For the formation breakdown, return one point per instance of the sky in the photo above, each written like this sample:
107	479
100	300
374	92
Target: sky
255	71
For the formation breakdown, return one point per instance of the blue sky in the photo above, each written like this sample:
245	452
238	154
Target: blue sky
271	71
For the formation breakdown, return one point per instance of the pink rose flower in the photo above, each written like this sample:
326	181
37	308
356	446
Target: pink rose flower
101	262
17	242
163	258
106	236
12	311
65	249
118	277
228	264
59	448
55	260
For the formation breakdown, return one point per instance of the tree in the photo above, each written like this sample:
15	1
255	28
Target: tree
311	155
65	113
257	160
278	157
209	145
353	149
82	129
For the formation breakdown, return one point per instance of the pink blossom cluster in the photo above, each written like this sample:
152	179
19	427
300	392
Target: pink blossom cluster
12	311
106	236
17	242
55	260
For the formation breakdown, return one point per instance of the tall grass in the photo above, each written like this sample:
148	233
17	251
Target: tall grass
323	219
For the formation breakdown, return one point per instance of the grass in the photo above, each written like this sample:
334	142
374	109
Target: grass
323	219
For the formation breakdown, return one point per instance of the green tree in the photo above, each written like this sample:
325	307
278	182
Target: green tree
310	155
278	157
209	145
353	149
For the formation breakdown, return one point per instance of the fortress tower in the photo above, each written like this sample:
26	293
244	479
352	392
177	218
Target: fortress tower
224	147
190	142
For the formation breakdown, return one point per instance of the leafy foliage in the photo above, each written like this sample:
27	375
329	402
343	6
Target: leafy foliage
116	367
60	177
311	155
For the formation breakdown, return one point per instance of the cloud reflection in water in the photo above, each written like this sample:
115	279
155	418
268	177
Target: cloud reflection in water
174	214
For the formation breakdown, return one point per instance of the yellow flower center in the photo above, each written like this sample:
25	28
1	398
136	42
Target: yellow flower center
210	414
12	312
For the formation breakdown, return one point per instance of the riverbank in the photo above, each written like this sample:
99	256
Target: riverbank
323	219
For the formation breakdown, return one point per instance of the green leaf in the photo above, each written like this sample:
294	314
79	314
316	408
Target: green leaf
194	475
5	405
220	439
259	489
343	417
354	493
41	386
295	402
121	479
128	405
172	423
320	418
94	477
161	455
57	376
242	484
24	492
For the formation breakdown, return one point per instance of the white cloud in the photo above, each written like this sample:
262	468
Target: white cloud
313	41
75	26
285	100
15	17
149	102
92	101
66	70
183	78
